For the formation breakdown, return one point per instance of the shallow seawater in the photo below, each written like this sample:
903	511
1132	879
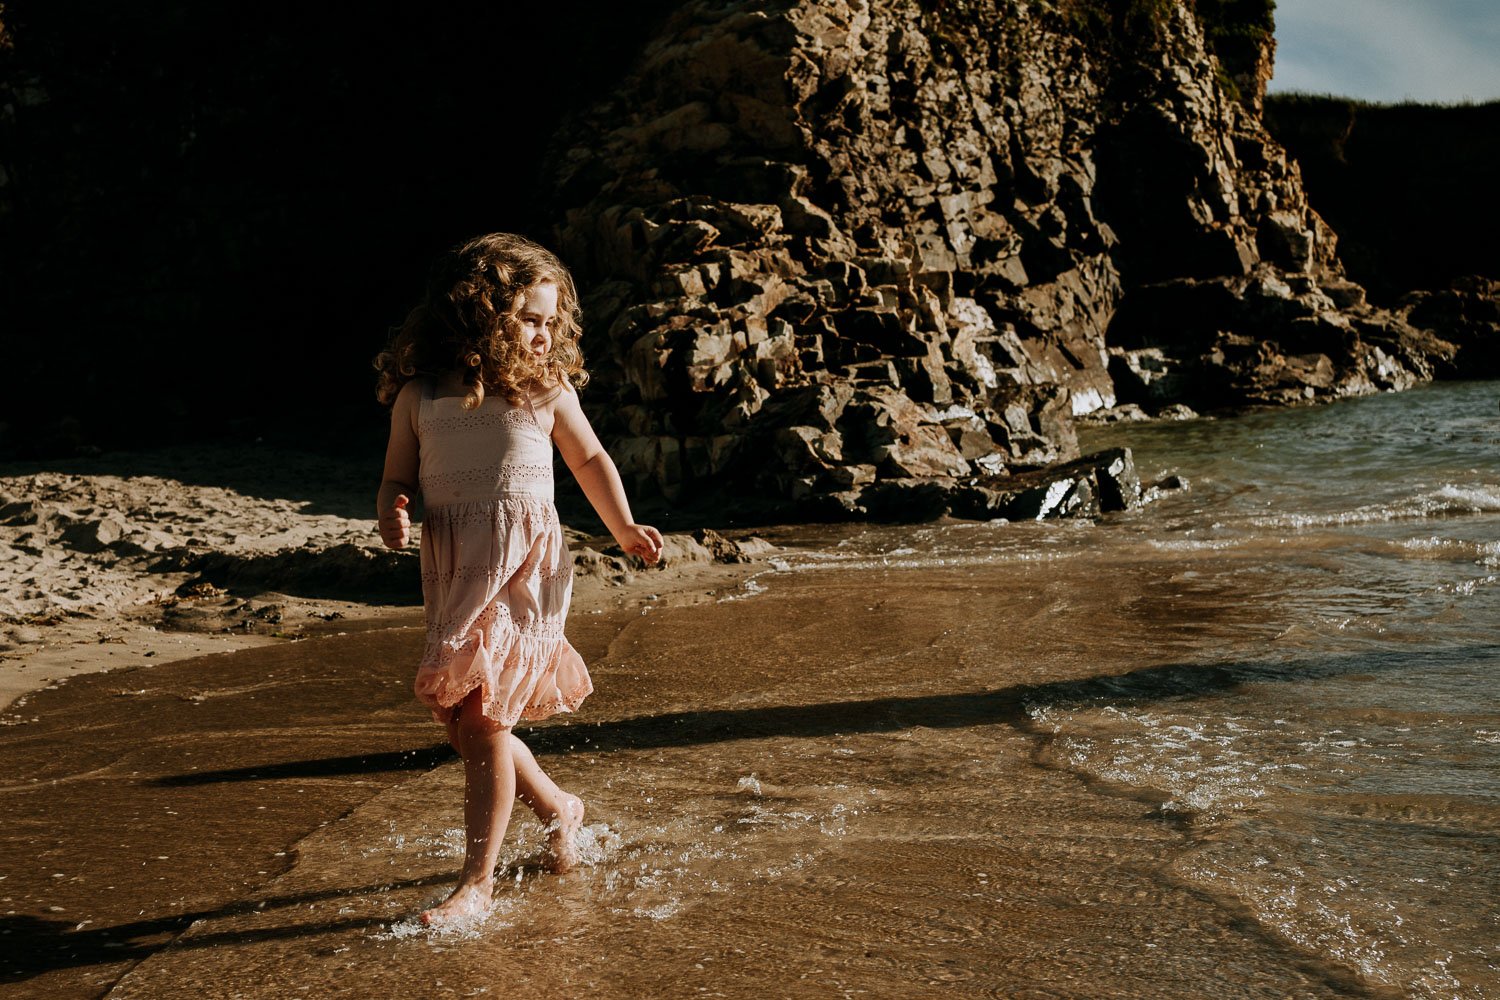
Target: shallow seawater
1242	743
1339	773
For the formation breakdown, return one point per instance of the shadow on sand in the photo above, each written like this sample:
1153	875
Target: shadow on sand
38	945
1008	705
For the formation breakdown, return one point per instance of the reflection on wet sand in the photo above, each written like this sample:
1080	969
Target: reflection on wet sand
110	848
828	789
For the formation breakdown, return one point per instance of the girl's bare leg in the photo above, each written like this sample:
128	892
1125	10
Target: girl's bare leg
453	739
561	812
489	790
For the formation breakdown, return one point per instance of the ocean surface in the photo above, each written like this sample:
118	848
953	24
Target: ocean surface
1243	742
1323	725
1336	769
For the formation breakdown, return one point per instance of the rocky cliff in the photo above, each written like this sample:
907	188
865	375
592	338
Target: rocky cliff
874	257
855	253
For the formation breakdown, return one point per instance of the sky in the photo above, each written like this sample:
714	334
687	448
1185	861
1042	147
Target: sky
1389	50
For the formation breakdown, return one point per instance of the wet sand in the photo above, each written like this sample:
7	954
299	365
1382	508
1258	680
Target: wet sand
830	788
140	799
123	559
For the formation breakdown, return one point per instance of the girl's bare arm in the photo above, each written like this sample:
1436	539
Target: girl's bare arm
398	483
598	477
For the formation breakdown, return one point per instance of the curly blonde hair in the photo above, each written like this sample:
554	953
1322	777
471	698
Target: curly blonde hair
467	323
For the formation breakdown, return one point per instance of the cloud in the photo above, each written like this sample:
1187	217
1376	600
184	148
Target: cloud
1389	50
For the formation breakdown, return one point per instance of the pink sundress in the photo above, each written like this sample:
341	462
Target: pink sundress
496	574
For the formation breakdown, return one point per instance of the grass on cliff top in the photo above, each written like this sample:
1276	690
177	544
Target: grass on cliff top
1221	20
1226	23
1310	100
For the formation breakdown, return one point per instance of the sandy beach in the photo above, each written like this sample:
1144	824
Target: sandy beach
1235	744
821	778
131	559
147	798
105	561
778	776
109	605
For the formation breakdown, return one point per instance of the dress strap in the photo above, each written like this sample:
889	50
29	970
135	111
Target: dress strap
530	399
425	405
545	396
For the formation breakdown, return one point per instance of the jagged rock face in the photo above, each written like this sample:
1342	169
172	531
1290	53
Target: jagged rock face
1466	315
836	246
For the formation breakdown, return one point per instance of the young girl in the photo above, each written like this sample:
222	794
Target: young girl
482	379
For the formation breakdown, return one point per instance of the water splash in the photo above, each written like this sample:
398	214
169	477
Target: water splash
1451	499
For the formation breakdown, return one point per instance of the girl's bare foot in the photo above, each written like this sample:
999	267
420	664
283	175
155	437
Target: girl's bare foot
562	852
468	901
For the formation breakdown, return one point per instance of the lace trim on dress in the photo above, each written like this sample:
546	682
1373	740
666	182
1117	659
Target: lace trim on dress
527	473
477	571
491	511
479	419
463	629
502	475
562	570
567	703
448	692
535	646
493	622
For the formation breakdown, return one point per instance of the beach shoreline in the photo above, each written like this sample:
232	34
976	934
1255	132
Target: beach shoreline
1141	756
822	775
133	560
159	705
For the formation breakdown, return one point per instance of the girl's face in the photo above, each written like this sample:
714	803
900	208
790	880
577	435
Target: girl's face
538	317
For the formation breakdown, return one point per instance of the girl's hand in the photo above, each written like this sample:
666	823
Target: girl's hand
395	524
640	540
